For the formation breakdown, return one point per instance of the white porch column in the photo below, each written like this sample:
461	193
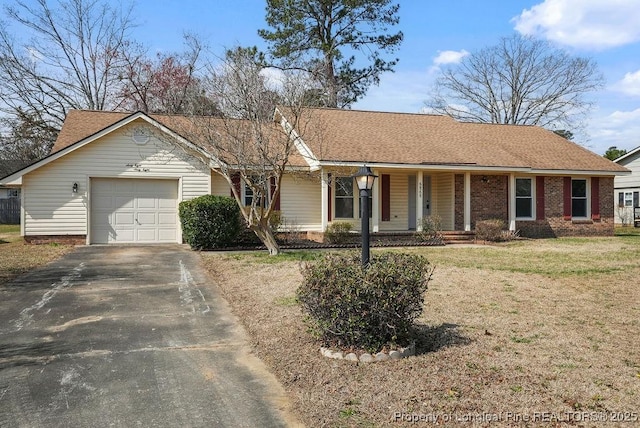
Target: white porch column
419	200
324	194
512	202
375	203
467	201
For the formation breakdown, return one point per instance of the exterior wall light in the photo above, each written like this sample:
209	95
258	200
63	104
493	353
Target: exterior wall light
74	188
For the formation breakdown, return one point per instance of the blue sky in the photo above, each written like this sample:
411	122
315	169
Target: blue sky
441	31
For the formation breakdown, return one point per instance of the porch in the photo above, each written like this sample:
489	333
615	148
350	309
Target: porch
401	198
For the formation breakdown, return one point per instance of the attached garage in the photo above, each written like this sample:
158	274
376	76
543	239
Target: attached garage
125	210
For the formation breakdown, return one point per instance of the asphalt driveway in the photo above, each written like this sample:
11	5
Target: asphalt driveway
128	336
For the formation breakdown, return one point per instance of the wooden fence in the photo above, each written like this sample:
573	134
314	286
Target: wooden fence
10	211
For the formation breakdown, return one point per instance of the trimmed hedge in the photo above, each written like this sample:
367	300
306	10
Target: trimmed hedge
352	307
210	222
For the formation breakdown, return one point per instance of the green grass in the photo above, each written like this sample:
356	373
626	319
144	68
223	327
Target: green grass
554	258
627	231
9	228
284	256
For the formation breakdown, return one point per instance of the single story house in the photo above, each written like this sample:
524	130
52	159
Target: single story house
118	177
627	188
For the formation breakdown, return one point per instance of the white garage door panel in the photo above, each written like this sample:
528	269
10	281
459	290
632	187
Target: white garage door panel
134	211
122	202
166	219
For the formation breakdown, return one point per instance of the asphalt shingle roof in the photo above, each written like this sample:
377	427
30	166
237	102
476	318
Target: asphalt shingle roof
399	138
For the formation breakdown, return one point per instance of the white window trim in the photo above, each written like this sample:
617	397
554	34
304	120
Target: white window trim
244	194
588	198
356	201
533	199
624	199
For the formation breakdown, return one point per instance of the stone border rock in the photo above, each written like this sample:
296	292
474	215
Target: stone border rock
395	354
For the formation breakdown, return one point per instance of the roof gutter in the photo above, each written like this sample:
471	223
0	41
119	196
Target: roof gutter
468	167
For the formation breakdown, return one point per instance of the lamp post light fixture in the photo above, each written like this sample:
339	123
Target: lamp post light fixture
364	178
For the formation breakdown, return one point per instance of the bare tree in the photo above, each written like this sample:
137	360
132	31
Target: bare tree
252	145
167	85
26	139
73	59
518	81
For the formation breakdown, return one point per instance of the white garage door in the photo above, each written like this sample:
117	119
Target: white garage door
134	211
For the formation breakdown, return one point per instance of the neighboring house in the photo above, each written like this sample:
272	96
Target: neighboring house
627	188
110	179
7	167
10	196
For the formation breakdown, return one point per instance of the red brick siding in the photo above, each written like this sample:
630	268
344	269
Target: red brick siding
459	202
554	224
59	239
490	200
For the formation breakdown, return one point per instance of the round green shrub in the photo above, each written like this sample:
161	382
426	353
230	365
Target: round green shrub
352	307
338	232
210	222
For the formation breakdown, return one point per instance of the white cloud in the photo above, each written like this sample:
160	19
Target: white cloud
449	57
402	91
590	24
620	129
630	84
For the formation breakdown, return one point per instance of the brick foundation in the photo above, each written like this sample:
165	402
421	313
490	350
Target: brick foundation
58	239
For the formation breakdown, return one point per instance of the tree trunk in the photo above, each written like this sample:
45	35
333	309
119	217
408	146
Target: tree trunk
331	81
265	234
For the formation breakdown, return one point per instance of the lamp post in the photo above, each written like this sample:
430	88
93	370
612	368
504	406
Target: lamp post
364	178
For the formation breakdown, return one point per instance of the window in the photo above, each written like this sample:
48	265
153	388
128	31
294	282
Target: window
343	197
628	199
248	194
524	198
579	197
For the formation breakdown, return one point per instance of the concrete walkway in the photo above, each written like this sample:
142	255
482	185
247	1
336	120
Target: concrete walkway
128	336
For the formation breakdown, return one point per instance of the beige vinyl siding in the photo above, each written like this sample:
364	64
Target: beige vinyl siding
626	183
219	185
632	180
442	188
301	202
399	202
51	208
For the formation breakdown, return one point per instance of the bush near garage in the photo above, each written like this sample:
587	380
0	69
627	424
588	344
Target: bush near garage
364	308
210	222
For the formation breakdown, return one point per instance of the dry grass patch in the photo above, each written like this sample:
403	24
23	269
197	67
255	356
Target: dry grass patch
538	326
16	257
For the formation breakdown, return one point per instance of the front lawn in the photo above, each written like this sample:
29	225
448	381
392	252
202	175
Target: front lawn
534	331
16	257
